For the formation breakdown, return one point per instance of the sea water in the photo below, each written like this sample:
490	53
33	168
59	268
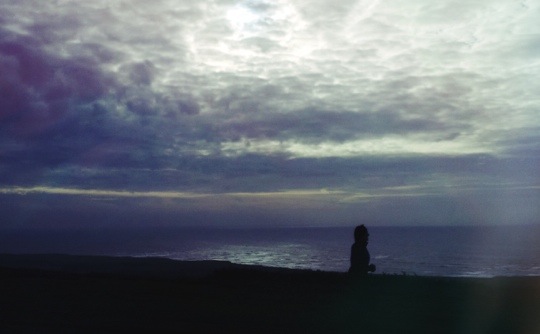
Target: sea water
427	251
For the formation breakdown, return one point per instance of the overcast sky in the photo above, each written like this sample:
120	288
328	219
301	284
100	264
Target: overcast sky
273	113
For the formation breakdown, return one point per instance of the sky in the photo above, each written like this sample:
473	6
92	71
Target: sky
269	113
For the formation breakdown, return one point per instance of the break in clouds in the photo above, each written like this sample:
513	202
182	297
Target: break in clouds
360	97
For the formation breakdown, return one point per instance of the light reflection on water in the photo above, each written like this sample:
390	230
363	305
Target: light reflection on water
476	252
287	255
443	251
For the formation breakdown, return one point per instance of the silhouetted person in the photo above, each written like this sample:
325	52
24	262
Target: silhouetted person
359	254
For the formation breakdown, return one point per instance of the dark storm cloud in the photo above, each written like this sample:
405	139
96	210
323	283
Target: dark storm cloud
64	109
140	73
41	94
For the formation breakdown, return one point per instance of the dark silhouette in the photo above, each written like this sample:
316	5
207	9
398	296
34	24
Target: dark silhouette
359	254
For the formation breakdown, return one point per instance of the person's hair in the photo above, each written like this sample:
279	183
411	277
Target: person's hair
360	231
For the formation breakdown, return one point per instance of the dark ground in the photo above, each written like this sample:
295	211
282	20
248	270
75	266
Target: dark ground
59	294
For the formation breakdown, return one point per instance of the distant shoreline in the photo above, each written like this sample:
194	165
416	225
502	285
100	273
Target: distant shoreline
160	267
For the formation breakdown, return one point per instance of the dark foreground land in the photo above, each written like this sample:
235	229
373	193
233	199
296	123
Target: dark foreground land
66	294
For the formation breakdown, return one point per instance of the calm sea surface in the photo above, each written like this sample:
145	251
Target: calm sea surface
440	251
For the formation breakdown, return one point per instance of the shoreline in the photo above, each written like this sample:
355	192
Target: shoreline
158	266
95	294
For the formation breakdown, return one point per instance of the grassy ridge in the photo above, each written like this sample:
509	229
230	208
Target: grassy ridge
255	300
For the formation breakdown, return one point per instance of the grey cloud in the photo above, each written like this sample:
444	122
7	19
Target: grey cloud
144	101
141	102
318	126
251	112
42	85
452	11
286	109
140	95
187	106
522	143
141	73
63	103
259	173
260	43
60	110
322	12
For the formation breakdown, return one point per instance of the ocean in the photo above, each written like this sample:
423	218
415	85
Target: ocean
424	251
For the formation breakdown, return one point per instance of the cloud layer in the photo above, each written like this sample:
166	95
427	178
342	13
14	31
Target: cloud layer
256	96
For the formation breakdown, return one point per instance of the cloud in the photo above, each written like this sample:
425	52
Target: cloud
256	96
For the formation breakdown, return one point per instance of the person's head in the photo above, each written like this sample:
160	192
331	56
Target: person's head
361	234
